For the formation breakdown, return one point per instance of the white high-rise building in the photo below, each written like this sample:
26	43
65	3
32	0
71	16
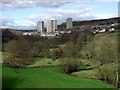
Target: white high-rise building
69	23
54	25
40	26
51	25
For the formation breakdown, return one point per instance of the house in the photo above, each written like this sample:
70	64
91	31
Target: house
27	33
111	29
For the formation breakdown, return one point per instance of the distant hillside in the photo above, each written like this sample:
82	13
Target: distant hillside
9	34
78	24
15	30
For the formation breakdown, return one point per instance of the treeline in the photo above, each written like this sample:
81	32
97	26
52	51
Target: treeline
24	48
67	46
7	35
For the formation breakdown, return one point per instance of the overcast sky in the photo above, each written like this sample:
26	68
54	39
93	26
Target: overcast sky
19	14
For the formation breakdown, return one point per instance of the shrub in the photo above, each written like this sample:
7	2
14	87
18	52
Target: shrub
72	66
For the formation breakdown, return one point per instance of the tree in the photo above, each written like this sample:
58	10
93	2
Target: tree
37	49
71	58
108	74
53	42
64	38
54	54
87	51
7	35
83	38
106	51
20	53
74	36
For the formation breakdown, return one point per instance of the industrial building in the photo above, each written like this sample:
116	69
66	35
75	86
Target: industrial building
40	26
69	23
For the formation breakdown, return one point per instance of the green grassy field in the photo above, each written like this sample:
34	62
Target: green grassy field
49	62
47	77
45	62
93	72
87	73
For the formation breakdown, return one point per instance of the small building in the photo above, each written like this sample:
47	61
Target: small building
27	33
111	29
103	30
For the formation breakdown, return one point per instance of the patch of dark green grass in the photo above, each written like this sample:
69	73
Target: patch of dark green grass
45	77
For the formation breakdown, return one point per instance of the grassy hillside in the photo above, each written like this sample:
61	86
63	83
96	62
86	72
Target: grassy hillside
106	50
93	72
45	62
87	73
49	77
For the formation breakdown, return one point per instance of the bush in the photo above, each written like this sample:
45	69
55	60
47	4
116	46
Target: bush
57	53
72	66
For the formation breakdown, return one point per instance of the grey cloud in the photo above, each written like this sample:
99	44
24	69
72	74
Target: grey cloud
46	3
5	22
80	13
29	4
